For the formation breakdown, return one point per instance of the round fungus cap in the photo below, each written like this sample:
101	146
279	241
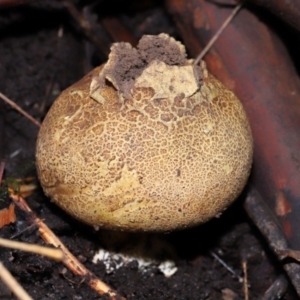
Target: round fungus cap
146	142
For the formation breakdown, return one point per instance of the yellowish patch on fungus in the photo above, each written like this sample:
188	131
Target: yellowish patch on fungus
127	183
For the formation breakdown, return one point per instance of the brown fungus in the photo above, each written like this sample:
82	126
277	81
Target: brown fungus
145	142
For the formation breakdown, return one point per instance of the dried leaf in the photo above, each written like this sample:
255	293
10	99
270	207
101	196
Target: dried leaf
7	215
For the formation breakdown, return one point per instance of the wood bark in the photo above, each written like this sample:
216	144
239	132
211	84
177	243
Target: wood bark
251	60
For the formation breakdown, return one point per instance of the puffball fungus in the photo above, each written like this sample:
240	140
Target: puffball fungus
146	142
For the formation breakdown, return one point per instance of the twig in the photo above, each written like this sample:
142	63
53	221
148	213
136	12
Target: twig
49	89
20	110
55	254
262	217
284	253
228	268
245	281
277	289
218	33
22	231
12	284
70	260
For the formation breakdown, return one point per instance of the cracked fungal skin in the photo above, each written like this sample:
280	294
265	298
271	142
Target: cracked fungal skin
144	163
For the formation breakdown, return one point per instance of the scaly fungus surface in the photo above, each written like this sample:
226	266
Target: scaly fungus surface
146	142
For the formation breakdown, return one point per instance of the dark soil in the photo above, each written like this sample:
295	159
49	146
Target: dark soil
42	52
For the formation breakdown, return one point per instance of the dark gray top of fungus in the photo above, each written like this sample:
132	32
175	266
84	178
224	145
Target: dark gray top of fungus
126	63
160	48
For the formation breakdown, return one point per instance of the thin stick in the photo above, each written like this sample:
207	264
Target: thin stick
225	265
55	254
218	33
245	281
22	231
20	110
70	260
12	284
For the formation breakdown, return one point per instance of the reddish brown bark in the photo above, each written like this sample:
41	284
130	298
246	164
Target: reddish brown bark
251	60
287	10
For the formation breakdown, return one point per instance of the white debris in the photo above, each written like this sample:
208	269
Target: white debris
114	261
168	268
